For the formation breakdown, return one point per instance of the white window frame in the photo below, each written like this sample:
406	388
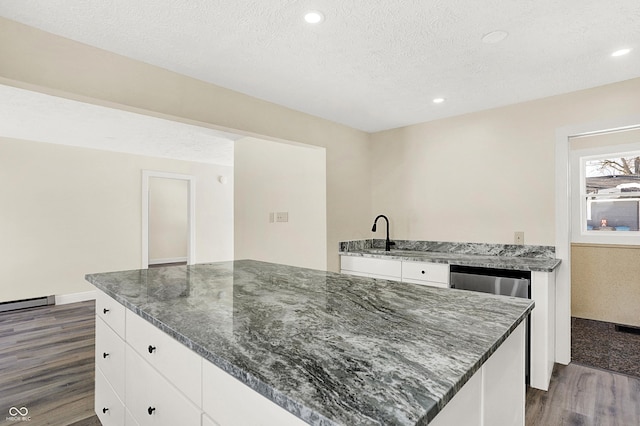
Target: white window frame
580	233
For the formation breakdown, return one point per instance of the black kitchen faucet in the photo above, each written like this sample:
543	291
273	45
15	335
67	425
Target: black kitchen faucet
387	244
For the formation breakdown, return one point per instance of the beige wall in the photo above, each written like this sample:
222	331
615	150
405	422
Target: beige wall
277	177
480	177
168	220
40	61
605	283
67	211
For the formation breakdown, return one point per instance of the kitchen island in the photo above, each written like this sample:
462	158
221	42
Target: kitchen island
328	348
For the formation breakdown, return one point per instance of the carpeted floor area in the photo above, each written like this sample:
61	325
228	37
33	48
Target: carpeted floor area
599	344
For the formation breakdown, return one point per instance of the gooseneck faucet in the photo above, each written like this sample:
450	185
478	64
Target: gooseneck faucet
387	244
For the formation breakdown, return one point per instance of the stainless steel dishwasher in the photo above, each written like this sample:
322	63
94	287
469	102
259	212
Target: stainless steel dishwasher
505	282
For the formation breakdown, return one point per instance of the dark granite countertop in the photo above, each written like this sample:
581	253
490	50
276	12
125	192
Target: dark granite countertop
463	259
332	349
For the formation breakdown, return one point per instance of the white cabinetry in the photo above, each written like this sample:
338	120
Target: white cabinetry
109	407
426	273
388	269
180	365
146	377
109	361
152	400
225	400
495	394
434	274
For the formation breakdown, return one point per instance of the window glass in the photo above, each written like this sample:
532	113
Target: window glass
612	193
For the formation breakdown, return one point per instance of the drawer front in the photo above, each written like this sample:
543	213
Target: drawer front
425	271
128	418
109	408
208	421
110	356
180	365
226	401
372	266
152	400
111	312
429	283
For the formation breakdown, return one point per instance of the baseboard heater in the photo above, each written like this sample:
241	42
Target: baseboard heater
27	303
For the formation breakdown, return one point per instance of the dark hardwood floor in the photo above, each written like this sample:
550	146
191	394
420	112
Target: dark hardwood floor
47	366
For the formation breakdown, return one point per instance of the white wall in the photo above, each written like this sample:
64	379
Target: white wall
40	61
276	177
168	220
480	177
67	211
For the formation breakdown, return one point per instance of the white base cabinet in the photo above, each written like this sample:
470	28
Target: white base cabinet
425	273
152	400
225	400
495	394
388	269
109	408
145	377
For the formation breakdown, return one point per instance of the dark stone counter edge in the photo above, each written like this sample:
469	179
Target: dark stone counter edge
296	408
515	263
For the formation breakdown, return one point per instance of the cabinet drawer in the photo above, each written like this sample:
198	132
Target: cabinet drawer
388	268
152	400
108	406
110	356
425	271
226	401
179	364
208	421
111	312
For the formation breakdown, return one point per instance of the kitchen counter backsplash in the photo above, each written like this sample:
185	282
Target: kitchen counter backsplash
479	249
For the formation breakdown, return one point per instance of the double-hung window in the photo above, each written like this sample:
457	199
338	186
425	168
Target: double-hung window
609	197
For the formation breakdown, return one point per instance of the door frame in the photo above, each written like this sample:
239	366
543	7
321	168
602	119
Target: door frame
563	222
191	213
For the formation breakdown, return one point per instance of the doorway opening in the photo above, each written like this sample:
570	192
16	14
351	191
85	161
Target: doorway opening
168	218
564	228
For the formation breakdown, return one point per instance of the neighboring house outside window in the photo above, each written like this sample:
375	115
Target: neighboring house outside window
606	208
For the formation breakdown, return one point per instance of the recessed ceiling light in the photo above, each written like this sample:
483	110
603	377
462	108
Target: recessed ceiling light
438	100
494	37
621	52
314	17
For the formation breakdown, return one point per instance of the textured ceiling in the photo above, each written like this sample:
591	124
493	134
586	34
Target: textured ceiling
34	116
372	65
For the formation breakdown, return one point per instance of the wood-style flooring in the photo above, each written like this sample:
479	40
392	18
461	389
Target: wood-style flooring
584	396
47	366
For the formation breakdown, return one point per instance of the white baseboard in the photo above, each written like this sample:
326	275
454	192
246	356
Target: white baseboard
167	260
63	299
